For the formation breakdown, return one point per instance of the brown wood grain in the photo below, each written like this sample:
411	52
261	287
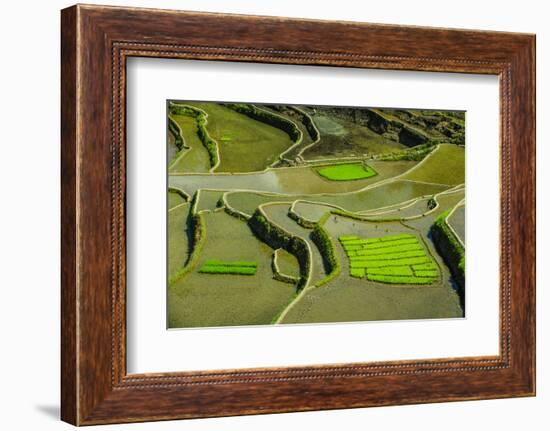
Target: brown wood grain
96	41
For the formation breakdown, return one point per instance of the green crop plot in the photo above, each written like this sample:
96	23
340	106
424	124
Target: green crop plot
392	259
229	267
346	172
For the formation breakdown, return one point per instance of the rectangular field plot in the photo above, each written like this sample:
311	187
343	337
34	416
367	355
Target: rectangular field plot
225	267
346	172
393	259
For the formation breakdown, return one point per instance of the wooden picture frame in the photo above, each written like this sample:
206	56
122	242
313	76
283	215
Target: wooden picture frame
95	43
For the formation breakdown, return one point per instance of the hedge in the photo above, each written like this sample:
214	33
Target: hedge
414	154
322	240
199	237
276	238
307	121
452	251
300	220
176	132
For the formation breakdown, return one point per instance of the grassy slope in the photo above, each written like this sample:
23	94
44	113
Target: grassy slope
245	144
444	166
178	240
217	300
196	158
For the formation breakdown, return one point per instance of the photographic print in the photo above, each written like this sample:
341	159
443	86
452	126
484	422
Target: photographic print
300	214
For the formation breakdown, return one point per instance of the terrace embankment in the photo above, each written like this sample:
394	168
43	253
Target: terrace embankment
449	247
277	237
278	215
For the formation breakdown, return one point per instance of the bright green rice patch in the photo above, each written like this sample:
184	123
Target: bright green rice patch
215	262
425	266
390	262
391	270
390	256
353	240
400	248
346	172
392	279
357	272
215	266
426	273
238	270
392	259
345	238
178	238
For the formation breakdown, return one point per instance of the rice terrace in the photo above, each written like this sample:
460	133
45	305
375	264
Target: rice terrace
285	214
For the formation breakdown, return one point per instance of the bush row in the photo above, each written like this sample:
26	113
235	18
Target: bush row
269	118
276	238
175	129
452	251
300	220
322	240
198	226
414	154
210	145
307	121
233	212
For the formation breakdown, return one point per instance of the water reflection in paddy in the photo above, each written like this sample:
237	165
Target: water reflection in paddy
302	180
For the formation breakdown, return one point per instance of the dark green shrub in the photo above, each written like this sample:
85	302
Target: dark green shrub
176	132
199	237
323	242
452	251
276	238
